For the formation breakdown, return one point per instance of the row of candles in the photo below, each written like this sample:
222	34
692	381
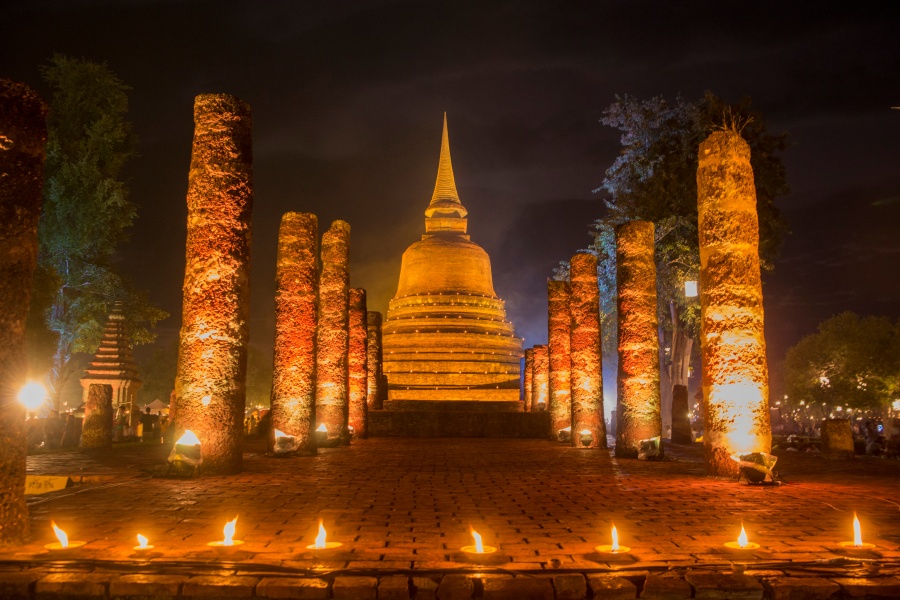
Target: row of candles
476	549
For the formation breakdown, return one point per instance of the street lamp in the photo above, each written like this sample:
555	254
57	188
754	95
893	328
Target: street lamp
690	289
32	395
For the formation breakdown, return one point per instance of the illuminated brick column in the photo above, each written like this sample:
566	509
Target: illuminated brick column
333	335
638	411
210	386
374	375
560	360
294	373
357	363
97	430
540	378
23	133
735	373
587	367
528	377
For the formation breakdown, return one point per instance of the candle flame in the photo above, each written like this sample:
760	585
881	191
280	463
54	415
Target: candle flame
60	535
280	434
188	438
857	532
615	539
228	532
320	539
742	539
142	541
479	547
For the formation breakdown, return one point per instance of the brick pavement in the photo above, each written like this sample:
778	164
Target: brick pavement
402	507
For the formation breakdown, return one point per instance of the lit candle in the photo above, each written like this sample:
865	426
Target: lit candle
742	543
613	548
857	542
478	548
321	433
227	540
63	543
142	546
321	540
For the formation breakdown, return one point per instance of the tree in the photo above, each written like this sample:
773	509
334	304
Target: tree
851	362
86	216
655	179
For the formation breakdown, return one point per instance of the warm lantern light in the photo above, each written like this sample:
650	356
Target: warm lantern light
228	540
322	428
690	289
742	542
63	543
321	541
613	548
189	438
142	544
32	395
280	434
478	547
857	537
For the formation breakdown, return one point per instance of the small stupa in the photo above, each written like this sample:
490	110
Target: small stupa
446	337
114	365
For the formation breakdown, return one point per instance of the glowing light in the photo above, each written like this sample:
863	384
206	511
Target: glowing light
857	532
690	289
32	395
321	537
188	438
60	535
322	428
206	400
742	538
615	539
896	405
280	434
479	545
142	541
228	532
613	548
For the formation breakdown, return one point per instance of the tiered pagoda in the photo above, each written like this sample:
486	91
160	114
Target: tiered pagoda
446	336
114	365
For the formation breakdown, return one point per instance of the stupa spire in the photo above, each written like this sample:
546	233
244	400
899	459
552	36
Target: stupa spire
445	186
445	212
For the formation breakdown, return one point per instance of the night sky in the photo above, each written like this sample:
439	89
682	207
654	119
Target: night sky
347	100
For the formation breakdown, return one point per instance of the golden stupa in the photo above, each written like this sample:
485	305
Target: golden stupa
446	337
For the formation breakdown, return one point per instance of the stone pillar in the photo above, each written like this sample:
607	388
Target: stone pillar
374	375
681	421
837	439
587	365
210	386
638	410
294	373
540	378
357	363
560	360
23	133
332	337
528	377
97	430
735	373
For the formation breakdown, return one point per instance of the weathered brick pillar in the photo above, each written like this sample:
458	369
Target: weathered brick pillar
294	373
374	396
528	375
23	133
333	334
638	411
735	373
210	386
587	364
540	378
97	430
560	360
357	363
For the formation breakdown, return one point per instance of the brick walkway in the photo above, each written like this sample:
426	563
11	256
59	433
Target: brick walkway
403	504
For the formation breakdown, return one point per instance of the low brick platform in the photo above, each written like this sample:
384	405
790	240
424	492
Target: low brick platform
459	424
402	508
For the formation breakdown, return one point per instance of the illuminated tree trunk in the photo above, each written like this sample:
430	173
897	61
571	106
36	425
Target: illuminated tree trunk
374	375
97	430
558	338
735	374
587	369
294	373
210	386
357	385
638	412
333	334
540	378
23	133
528	378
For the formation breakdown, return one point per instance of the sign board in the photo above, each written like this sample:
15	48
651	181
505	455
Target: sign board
41	484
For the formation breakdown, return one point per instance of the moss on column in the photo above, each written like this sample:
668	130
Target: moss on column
23	133
210	386
560	360
638	411
735	372
587	366
357	363
294	373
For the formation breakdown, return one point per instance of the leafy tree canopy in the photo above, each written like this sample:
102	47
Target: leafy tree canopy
851	361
